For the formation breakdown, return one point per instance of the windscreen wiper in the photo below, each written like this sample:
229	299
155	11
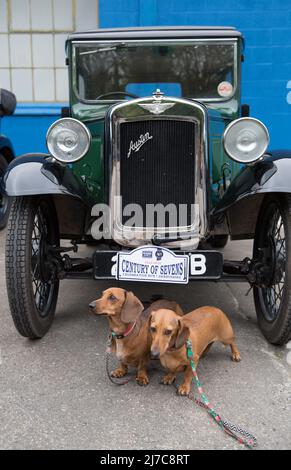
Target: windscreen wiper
104	49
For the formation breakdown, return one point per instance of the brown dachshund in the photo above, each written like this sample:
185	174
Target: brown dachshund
202	326
129	322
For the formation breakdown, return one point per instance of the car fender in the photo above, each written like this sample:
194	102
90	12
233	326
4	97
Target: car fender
272	174
34	174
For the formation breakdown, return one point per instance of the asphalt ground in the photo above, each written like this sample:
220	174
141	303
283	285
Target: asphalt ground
54	392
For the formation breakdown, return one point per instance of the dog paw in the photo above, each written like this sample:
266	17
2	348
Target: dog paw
142	380
236	357
184	390
168	379
118	372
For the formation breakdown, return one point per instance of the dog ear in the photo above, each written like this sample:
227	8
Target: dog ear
182	335
178	310
149	321
131	309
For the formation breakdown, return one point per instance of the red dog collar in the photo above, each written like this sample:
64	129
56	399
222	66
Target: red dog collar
127	332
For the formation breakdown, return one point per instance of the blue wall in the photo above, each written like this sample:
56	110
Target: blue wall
266	25
28	126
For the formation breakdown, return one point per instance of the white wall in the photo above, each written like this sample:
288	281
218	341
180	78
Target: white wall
32	45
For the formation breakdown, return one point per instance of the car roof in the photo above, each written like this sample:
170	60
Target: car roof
158	32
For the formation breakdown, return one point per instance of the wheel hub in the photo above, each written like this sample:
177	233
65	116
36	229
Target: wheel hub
272	264
271	267
42	261
43	271
42	267
279	262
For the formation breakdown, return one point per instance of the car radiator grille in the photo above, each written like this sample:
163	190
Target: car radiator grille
162	170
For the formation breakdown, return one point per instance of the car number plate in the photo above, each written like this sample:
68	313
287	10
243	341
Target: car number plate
153	264
158	264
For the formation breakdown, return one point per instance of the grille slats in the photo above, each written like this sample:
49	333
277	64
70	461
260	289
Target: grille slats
163	169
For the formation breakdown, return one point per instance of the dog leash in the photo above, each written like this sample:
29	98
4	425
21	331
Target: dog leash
232	430
248	439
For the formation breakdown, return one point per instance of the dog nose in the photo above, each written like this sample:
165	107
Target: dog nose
92	305
155	354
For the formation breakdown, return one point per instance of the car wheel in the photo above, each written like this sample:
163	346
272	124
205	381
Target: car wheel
31	276
218	241
272	245
5	202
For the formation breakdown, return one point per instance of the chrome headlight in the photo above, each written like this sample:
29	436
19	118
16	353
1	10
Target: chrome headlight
246	140
68	140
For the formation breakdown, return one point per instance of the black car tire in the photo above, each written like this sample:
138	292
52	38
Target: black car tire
218	241
32	283
273	241
5	202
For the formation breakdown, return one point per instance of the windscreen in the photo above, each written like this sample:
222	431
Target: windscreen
203	70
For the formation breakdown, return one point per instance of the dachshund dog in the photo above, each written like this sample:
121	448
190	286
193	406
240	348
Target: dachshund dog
170	332
128	322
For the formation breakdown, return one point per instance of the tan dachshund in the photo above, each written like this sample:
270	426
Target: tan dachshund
202	326
129	322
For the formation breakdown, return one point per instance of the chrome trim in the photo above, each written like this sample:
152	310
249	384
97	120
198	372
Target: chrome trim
140	235
157	107
233	123
85	128
231	41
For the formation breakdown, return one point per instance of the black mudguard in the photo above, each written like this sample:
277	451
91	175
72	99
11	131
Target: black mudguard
34	174
270	175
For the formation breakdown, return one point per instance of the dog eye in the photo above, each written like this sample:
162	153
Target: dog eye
168	332
153	329
112	298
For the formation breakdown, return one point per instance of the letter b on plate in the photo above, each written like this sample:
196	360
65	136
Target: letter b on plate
198	264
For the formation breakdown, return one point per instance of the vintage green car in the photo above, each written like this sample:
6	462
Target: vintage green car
157	163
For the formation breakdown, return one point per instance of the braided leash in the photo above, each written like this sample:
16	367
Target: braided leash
248	440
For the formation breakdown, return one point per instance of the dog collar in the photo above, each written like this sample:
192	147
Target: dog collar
127	332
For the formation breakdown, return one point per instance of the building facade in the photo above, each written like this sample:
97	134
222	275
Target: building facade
32	62
32	35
